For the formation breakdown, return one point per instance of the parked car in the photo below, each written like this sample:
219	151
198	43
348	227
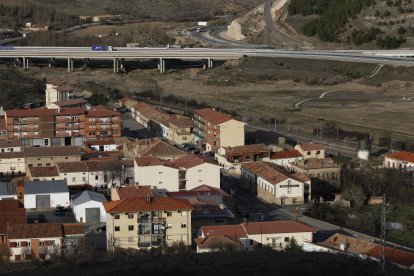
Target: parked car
60	211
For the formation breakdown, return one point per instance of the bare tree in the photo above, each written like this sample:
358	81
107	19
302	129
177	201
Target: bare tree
114	173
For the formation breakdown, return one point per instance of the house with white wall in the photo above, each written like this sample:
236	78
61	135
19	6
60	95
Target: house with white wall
274	234
46	194
8	190
184	173
276	185
88	207
285	158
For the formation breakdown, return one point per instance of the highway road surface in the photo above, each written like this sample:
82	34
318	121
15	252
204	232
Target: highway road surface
386	57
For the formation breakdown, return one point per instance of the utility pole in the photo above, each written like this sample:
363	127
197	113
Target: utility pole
275	123
382	256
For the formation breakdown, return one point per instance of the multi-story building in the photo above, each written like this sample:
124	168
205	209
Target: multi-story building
311	150
180	130
284	158
18	162
57	91
71	126
214	129
184	173
142	223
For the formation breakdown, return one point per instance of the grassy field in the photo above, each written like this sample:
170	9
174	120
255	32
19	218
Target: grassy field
262	88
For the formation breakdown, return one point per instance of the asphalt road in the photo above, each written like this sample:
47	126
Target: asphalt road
385	57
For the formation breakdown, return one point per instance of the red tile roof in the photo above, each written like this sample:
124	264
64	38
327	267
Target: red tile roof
215	242
101	142
31	112
272	227
212	116
44	171
286	154
182	122
10	212
12	143
402	155
272	173
138	204
190	161
225	230
102	111
69	229
358	246
72	111
148	161
71	102
311	146
202	190
158	148
134	191
239	150
35	230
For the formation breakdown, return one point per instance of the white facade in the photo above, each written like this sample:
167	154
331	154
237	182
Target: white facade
158	177
310	153
53	95
109	147
10	165
278	241
231	133
285	162
8	197
205	173
80	210
93	179
56	199
397	163
23	247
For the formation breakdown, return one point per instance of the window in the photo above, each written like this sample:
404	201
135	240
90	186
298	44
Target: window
169	214
39	165
83	178
159	172
96	177
73	179
160	182
131	239
130	216
66	157
47	164
130	227
117	228
308	153
318	152
116	216
183	214
200	170
286	239
183	225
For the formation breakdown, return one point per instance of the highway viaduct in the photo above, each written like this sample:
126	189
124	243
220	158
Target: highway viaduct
207	55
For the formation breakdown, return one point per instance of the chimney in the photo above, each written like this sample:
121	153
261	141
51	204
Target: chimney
20	191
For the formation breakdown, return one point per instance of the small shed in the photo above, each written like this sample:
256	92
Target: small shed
46	194
88	207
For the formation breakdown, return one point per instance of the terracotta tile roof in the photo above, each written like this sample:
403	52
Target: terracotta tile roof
273	227
205	188
69	229
35	230
190	161
153	113
10	143
311	146
358	246
129	163
31	112
402	155
182	122
138	204
159	148
286	154
148	161
101	142
52	151
44	171
212	116
219	242
225	230
14	154
11	212
101	111
268	171
315	163
71	102
72	111
134	191
239	150
68	167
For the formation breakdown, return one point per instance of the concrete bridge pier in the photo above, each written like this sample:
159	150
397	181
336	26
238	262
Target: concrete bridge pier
85	63
116	65
122	63
52	62
210	63
25	63
161	65
70	64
